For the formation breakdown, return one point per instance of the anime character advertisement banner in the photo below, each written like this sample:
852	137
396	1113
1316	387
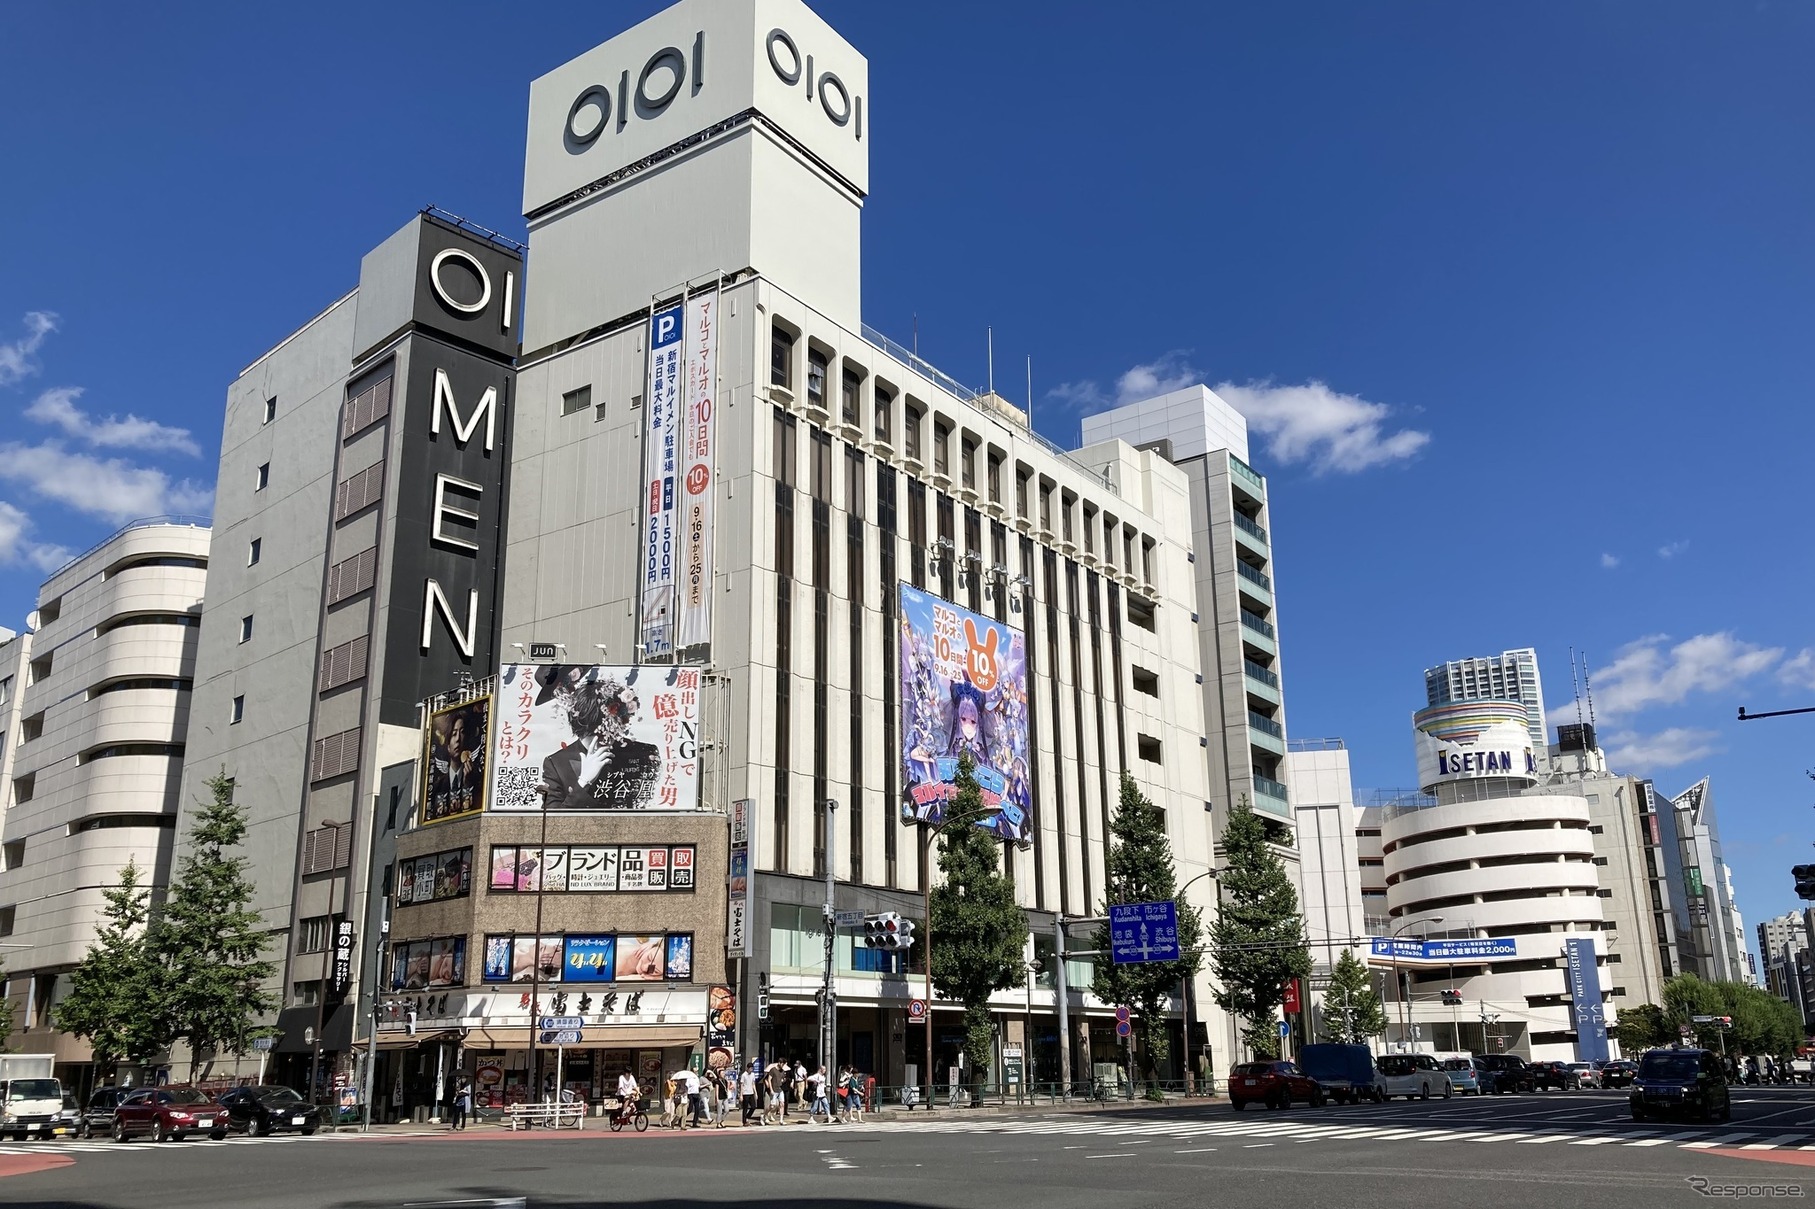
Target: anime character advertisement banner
963	692
582	737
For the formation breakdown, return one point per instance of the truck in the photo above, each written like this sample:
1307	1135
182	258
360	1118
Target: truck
30	1097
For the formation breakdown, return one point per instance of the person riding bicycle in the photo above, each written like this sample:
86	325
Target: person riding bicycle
630	1095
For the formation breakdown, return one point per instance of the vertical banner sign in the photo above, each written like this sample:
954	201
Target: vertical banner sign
1585	996
661	471
698	471
342	973
737	929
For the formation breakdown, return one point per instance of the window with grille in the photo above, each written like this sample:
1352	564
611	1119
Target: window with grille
367	408
334	755
343	664
312	935
327	848
358	491
351	576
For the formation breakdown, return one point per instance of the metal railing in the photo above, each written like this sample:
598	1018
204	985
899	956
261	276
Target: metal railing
1270	787
1314	745
1265	725
1257	672
190	522
1250	527
1254	621
1252	575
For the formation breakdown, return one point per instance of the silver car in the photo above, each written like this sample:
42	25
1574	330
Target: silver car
1587	1074
1414	1076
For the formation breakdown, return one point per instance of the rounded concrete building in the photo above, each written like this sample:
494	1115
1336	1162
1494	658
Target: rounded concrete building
1494	900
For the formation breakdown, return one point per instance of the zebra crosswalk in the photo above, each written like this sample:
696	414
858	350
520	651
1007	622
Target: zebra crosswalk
1188	1132
146	1146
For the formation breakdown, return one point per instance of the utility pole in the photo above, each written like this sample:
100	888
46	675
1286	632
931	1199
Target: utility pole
828	1003
378	967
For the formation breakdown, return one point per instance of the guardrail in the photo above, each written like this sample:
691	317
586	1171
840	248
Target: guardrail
550	1116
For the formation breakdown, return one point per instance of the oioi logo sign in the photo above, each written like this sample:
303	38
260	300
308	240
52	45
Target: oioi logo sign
669	72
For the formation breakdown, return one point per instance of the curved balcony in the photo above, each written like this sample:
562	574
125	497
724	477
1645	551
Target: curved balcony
151	590
1492	845
1460	816
138	650
1536	877
129	785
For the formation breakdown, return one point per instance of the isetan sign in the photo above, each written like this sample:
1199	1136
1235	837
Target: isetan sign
691	71
1469	740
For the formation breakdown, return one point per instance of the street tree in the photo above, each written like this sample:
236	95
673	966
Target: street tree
1352	1011
1138	869
1257	942
209	946
6	1012
113	997
980	934
1642	1026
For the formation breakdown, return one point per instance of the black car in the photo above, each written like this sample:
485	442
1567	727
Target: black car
1554	1075
1680	1082
97	1114
267	1110
1503	1073
1618	1073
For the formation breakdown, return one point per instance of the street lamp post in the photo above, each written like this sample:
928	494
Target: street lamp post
1027	1038
1398	989
1190	976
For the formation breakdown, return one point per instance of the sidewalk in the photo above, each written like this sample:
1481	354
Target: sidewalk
598	1125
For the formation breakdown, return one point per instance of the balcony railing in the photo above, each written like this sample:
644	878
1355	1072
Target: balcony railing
1246	471
1253	576
1270	787
1257	672
1251	527
1265	724
1255	622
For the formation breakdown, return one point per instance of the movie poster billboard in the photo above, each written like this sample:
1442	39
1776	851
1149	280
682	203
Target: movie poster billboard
661	476
698	470
581	738
453	763
963	692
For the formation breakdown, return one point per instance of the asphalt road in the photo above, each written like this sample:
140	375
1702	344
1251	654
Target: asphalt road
1546	1150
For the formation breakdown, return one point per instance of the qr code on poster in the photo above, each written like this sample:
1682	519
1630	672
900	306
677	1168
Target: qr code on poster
516	789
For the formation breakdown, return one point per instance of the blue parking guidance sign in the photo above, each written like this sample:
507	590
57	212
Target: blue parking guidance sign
1141	932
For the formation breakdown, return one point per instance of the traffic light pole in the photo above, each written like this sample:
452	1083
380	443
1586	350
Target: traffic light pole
828	1006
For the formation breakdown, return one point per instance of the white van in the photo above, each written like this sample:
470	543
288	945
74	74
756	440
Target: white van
28	1106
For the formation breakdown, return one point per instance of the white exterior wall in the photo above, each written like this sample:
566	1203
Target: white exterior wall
68	861
1329	868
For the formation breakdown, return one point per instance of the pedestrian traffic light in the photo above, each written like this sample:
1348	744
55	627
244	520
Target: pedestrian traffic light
904	936
1452	998
1805	880
409	1021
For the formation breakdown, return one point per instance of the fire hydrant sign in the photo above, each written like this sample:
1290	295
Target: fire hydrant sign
1143	932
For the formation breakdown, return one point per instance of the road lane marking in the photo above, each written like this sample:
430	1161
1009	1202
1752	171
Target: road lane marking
1256	1145
1199	1150
1771	1143
1123	1155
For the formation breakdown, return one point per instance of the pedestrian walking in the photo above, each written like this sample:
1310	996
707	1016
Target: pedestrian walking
720	1094
463	1101
746	1091
800	1084
777	1094
696	1104
816	1083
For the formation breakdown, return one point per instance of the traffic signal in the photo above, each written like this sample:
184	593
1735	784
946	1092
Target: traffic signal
904	936
762	996
875	934
1805	880
1452	998
888	931
409	1020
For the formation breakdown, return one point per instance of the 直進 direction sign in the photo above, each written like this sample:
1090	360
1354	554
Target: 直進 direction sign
1143	932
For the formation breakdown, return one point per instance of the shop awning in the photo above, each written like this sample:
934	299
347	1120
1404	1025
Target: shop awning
608	1036
402	1040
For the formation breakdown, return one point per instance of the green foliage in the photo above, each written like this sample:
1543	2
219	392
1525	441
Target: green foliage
1762	1023
979	934
1138	869
1352	1011
1641	1027
114	992
6	1012
1257	941
209	945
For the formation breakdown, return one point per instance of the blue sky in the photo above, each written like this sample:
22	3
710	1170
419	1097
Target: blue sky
1521	295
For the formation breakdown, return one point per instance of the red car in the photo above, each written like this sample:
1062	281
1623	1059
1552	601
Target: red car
1273	1083
168	1114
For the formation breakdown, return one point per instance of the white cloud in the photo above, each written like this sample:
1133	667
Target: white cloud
16	355
58	408
1163	375
1629	751
1672	549
16	548
1610	561
1650	673
1798	671
110	488
1327	429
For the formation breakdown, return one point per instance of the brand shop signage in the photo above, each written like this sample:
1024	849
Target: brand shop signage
444	569
1467	740
686	70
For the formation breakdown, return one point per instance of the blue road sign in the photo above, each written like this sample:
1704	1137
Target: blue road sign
562	1023
1123	1028
1143	932
561	1037
1285	1028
